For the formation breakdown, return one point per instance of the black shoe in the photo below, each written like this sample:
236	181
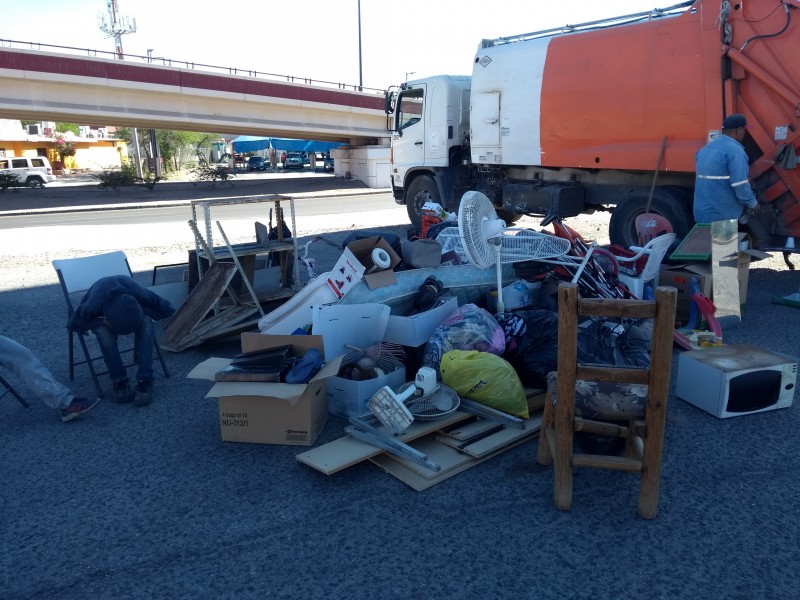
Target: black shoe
77	407
122	392
143	394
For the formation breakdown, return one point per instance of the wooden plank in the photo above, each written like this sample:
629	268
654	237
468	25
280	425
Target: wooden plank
536	400
345	452
466	431
394	467
200	301
446	457
490	444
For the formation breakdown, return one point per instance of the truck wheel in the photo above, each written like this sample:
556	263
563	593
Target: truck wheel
423	189
670	203
509	217
35	182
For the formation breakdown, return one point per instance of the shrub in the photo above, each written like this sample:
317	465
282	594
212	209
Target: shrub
117	178
8	180
149	180
210	172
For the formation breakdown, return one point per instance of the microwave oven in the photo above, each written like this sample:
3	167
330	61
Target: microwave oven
734	380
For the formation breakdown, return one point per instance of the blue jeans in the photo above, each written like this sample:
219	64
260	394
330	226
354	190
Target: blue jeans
143	340
26	365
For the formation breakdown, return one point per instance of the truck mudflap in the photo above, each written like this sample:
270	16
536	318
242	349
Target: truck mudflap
536	198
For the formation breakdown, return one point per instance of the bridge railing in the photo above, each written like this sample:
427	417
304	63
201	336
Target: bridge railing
184	64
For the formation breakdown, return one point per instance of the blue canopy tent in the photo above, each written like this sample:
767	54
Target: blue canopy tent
249	143
288	145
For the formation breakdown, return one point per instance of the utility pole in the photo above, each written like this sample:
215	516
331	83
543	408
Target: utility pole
360	78
116	26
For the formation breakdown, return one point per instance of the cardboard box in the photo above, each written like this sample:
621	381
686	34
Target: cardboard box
360	326
349	398
417	329
679	277
271	413
356	262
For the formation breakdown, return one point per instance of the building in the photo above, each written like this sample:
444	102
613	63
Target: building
95	149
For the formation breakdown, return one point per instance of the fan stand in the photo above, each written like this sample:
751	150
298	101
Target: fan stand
501	307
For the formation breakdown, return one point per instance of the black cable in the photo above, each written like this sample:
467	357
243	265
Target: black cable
771	35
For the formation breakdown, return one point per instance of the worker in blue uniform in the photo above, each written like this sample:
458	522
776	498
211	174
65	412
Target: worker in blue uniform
722	189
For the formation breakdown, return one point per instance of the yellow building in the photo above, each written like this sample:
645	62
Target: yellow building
90	153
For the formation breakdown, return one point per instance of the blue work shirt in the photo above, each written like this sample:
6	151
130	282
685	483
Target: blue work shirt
721	189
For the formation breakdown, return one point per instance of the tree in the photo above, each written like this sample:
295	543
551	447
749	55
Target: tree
65	127
173	144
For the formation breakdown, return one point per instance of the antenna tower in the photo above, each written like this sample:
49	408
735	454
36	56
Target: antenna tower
116	26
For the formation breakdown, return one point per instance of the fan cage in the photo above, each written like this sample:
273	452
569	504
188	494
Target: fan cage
440	403
517	244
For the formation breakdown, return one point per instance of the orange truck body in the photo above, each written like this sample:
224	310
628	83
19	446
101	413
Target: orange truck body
570	121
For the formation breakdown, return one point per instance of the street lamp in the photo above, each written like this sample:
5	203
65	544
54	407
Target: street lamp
360	78
410	73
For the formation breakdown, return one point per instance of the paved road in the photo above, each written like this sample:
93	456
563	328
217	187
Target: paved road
149	503
83	193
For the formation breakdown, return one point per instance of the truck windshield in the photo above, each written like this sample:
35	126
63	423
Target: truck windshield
409	109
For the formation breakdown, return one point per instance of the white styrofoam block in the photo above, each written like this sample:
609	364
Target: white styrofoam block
359	325
417	329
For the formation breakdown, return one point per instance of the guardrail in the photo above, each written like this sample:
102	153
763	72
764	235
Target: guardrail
184	64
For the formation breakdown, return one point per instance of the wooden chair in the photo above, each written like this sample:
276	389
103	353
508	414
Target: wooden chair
76	276
636	413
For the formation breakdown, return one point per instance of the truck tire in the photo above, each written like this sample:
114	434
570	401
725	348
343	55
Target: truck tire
670	202
422	189
509	217
35	182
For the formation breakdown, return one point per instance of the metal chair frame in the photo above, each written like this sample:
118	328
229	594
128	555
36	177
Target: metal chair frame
76	276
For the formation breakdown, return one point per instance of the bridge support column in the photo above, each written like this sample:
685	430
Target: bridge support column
369	164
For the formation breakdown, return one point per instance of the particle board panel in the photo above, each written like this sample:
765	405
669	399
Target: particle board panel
488	445
394	467
446	457
345	452
466	431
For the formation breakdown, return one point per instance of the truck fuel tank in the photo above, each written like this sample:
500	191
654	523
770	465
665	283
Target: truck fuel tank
564	200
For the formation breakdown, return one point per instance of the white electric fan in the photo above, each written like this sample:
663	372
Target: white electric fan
485	240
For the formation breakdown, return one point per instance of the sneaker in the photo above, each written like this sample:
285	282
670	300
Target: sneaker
143	394
77	407
122	393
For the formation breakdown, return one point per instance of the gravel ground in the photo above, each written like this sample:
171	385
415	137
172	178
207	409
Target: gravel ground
149	503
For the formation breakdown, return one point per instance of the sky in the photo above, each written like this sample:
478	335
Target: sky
315	39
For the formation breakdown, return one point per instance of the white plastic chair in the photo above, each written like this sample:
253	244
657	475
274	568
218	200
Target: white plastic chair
76	276
655	250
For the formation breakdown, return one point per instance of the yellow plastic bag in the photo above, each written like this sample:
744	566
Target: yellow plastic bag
486	378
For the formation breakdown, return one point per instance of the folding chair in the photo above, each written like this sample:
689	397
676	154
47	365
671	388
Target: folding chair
624	402
10	390
76	276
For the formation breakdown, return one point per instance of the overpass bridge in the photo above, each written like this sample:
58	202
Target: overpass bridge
56	86
41	85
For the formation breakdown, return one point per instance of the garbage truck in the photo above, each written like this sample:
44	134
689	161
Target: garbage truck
609	115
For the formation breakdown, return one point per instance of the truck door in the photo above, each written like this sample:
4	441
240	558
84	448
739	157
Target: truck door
408	140
485	126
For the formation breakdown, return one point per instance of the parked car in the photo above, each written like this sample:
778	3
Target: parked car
327	163
257	163
33	171
296	160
